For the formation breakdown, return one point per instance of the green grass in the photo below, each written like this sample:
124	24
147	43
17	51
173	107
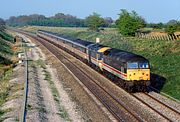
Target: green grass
2	112
164	56
41	63
5	48
4	91
6	37
4	86
5	73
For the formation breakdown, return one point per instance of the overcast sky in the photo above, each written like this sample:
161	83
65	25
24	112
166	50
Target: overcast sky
151	10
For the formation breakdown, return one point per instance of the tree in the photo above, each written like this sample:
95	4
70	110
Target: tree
156	25
94	21
178	26
2	24
170	29
129	23
172	26
172	22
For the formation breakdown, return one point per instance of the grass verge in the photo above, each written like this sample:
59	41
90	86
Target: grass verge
4	91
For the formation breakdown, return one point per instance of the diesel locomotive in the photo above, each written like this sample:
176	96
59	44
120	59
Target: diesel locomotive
129	70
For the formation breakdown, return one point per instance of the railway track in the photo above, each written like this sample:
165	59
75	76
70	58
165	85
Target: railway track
164	104
119	108
159	112
164	94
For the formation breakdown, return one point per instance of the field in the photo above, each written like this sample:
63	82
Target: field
164	56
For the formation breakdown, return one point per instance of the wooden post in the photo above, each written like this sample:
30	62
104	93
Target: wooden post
173	37
170	37
176	37
97	40
162	37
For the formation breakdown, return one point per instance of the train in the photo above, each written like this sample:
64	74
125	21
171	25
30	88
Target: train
130	71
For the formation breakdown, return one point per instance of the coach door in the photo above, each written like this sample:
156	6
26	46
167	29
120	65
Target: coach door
89	56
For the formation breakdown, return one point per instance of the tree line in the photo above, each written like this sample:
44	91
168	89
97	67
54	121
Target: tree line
58	20
128	23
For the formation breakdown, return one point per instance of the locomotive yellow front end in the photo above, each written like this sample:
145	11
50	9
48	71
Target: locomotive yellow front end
138	72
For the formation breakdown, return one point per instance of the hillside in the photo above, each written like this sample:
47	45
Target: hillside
163	55
6	52
6	64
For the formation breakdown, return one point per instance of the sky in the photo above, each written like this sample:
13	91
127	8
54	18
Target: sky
151	10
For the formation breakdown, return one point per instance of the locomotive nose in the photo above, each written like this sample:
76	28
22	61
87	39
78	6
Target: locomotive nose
138	74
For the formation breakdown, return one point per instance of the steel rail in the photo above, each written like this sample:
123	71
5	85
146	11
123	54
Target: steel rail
24	108
167	106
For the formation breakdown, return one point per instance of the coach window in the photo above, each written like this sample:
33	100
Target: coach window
93	54
122	69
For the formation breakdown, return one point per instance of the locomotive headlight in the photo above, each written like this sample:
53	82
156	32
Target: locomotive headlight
147	75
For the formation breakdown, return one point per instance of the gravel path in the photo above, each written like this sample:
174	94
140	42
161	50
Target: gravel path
42	101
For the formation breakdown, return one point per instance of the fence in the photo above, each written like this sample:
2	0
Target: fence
157	37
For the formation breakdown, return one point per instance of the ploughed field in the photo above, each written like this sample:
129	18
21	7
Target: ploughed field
163	55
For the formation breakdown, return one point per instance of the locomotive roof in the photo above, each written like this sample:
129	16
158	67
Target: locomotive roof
124	56
96	47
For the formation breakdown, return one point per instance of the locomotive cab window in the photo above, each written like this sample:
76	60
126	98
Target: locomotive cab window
143	65
99	56
133	65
